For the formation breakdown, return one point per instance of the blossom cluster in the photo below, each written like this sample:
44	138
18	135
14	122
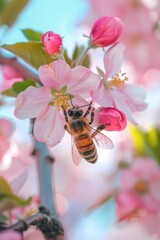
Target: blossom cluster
115	99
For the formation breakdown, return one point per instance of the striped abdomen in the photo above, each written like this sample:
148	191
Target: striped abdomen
86	147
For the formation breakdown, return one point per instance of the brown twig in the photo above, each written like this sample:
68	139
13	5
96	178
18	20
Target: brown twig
50	227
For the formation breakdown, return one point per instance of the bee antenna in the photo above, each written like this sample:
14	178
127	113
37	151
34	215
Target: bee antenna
85	105
71	101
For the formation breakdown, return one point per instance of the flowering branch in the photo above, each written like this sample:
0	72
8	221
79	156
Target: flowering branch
50	227
45	177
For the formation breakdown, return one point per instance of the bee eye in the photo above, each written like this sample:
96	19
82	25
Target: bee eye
70	112
79	113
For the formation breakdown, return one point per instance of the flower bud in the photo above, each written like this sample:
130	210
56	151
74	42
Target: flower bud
52	42
114	119
105	31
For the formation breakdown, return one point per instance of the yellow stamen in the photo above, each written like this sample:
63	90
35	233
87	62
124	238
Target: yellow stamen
141	187
117	81
30	212
60	99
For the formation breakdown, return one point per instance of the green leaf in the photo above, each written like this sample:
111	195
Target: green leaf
77	53
4	186
10	11
2	4
8	201
9	93
146	143
31	52
21	86
3	218
32	35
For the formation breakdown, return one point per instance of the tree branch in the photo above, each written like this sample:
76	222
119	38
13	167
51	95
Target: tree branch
50	227
44	164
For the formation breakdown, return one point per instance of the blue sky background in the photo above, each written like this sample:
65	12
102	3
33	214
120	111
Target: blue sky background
60	16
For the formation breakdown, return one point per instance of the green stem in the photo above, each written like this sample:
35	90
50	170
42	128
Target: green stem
82	56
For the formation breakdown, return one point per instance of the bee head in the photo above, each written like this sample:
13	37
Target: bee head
75	112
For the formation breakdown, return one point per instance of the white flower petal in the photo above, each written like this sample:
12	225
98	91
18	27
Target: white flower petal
113	59
32	102
49	127
83	82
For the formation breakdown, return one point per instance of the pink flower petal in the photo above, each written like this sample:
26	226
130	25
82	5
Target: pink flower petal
10	235
121	103
113	59
6	128
135	96
32	102
4	146
127	203
55	75
83	82
49	127
102	97
128	180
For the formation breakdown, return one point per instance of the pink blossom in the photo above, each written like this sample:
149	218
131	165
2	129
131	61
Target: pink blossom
6	130
130	231
141	182
113	90
10	235
127	205
44	103
114	119
105	31
52	42
9	72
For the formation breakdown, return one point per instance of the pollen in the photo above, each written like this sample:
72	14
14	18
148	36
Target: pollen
117	81
141	187
60	100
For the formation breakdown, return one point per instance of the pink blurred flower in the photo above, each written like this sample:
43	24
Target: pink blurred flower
130	231
52	42
114	119
113	89
10	235
6	130
105	31
44	103
127	205
9	72
140	184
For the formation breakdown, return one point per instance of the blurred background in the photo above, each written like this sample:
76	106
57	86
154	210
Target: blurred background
80	188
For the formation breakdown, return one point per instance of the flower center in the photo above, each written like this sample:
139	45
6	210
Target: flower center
61	98
117	81
141	187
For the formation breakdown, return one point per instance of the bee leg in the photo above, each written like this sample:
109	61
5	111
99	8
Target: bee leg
66	128
92	116
98	130
88	110
65	114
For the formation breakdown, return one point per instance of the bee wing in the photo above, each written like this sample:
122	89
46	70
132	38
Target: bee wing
101	140
75	154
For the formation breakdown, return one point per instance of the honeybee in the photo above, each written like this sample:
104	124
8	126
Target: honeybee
83	135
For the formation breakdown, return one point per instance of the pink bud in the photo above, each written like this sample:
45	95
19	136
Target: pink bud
52	42
105	31
10	235
114	119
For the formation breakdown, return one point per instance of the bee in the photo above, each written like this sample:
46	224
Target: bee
83	135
